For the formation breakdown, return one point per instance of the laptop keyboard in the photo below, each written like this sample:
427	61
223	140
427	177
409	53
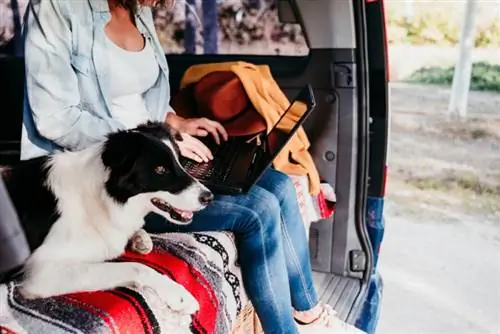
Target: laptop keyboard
220	167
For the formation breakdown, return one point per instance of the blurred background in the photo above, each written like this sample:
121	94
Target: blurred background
441	256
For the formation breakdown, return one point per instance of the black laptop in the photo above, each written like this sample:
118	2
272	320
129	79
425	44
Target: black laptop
238	163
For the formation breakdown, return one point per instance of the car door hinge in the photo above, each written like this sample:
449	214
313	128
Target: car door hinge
357	260
344	75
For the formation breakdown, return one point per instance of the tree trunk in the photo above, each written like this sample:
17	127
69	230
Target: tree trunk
463	69
210	26
16	16
254	3
190	29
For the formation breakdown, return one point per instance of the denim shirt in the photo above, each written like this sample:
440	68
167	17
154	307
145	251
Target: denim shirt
66	102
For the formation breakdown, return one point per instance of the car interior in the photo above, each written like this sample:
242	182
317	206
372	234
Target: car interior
340	129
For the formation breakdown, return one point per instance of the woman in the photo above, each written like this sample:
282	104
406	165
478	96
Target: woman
96	66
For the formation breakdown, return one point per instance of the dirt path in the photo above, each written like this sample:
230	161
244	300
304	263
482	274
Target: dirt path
443	162
441	255
440	278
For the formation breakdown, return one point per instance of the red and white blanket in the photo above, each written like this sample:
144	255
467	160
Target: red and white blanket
204	263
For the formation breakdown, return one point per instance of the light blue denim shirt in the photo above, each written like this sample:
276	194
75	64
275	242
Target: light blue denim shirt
66	104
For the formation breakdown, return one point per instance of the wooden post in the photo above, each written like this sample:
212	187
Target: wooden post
210	26
190	29
463	70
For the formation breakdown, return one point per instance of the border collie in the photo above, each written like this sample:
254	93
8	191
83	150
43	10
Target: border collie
79	209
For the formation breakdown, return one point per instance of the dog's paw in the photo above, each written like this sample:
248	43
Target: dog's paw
141	242
180	300
172	295
28	294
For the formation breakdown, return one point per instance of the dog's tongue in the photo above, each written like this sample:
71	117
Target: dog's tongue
184	214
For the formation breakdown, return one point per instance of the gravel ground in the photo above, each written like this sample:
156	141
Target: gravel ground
441	256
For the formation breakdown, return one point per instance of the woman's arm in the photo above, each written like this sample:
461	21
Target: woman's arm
52	85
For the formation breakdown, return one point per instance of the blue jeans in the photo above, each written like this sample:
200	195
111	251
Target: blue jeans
272	247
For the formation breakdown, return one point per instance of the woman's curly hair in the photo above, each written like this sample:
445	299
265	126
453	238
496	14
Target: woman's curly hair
133	5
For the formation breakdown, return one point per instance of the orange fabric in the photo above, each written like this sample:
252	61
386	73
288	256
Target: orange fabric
270	102
221	96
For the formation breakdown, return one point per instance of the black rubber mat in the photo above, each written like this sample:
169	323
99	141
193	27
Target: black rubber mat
339	292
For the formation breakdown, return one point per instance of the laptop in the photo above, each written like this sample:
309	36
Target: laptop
239	162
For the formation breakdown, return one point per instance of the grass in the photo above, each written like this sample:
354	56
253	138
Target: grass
453	180
479	133
471	130
465	185
485	77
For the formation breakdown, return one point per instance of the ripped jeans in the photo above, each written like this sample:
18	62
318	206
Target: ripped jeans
272	247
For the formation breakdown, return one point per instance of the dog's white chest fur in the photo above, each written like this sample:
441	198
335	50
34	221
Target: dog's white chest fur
99	213
91	225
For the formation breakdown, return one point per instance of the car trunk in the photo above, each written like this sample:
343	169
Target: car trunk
337	68
337	129
328	255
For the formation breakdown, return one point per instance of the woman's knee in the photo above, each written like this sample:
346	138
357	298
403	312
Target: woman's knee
265	210
279	184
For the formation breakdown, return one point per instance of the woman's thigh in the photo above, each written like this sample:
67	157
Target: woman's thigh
278	184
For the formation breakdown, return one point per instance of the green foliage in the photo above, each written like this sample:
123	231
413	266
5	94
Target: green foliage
439	26
485	77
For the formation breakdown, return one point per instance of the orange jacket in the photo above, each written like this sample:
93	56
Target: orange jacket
270	102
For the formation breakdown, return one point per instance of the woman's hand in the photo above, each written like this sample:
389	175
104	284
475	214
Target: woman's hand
194	149
199	127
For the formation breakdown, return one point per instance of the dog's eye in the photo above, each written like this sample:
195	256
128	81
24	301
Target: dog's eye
160	170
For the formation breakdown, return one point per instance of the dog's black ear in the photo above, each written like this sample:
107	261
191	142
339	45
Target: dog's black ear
159	130
120	150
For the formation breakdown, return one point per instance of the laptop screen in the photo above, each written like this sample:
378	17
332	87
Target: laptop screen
285	128
293	117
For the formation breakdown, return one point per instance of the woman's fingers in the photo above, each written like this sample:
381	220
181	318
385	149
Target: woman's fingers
200	148
196	147
190	155
214	128
200	132
201	127
207	125
221	130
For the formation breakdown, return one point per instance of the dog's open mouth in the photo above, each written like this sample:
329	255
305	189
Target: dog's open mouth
177	214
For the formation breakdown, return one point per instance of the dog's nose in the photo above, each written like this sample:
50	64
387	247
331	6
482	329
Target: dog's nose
206	197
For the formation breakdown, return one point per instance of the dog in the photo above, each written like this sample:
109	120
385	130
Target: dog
79	209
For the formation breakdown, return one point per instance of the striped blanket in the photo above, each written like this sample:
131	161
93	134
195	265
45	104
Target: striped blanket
204	263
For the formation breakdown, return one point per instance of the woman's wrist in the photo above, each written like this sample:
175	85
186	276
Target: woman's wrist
174	120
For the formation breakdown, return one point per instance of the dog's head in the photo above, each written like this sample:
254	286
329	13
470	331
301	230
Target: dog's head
143	165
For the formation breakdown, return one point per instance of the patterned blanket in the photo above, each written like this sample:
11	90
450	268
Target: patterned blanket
204	263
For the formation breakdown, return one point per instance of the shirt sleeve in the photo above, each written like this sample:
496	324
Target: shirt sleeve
51	83
169	110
